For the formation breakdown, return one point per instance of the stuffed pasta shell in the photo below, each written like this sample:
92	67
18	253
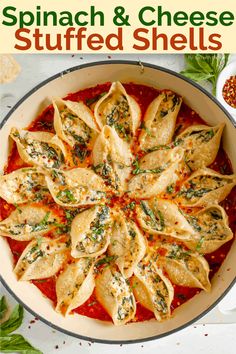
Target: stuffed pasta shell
205	187
23	185
75	285
127	244
201	144
76	187
112	159
159	120
152	288
115	295
211	229
154	172
74	123
119	110
42	258
160	216
27	221
90	232
184	267
39	148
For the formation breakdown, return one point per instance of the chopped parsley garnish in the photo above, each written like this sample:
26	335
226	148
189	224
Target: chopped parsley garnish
199	244
139	170
106	260
66	196
42	225
170	189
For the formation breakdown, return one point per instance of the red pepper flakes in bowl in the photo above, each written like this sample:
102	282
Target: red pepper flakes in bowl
229	91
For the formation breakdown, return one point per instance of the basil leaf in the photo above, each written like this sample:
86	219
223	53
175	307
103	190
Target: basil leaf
3	307
13	322
196	76
205	67
17	343
203	64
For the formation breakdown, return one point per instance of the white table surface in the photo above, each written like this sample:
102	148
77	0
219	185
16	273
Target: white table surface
214	334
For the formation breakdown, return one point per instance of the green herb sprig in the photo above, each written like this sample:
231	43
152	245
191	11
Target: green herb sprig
9	342
205	67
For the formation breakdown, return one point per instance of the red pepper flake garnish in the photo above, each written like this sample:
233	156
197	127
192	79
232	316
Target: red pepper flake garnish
229	91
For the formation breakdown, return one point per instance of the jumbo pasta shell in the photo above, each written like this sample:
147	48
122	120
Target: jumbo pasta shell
76	187
27	221
119	110
201	144
212	229
90	232
75	285
39	148
42	258
155	172
74	122
163	217
152	289
23	185
184	267
112	158
205	187
127	244
115	295
159	120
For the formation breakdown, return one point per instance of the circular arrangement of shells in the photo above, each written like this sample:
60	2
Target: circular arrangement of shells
128	226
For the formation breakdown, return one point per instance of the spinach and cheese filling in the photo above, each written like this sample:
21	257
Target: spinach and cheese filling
159	120
115	295
27	221
23	185
75	285
118	110
204	187
90	232
76	187
152	289
39	148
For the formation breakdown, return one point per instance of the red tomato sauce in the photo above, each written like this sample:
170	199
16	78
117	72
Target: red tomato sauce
186	117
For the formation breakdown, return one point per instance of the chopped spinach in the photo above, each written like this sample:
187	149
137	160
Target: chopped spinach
199	244
157	224
158	147
42	225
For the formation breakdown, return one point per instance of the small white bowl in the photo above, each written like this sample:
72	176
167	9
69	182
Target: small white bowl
229	70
